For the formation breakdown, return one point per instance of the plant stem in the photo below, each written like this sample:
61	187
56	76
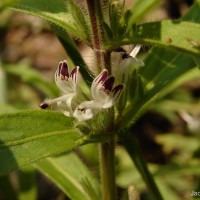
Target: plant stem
103	59
97	36
108	170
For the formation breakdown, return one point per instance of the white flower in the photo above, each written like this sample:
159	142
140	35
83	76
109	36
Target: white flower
125	66
131	58
67	83
104	96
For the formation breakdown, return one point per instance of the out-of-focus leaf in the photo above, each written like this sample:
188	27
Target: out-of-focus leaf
33	77
172	142
133	150
126	172
71	175
193	13
166	190
26	137
90	154
3	86
56	12
178	169
5	3
140	8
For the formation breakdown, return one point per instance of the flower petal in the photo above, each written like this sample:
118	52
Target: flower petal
86	110
135	51
63	103
66	83
131	58
108	84
97	83
112	97
109	102
116	92
74	74
66	106
63	70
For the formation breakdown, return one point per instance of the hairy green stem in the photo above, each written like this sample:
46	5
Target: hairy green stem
97	35
103	60
108	170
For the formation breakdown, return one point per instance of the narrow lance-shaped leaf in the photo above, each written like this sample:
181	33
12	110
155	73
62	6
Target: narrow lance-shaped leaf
71	175
33	77
132	148
63	17
26	137
80	18
164	70
56	12
140	8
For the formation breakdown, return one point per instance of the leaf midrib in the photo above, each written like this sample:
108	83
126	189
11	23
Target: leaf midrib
35	137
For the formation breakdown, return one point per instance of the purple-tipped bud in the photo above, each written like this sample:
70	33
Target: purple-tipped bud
74	73
117	91
102	76
108	84
63	70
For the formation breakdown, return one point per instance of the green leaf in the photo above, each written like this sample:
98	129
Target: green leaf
193	13
80	17
58	13
33	77
5	3
3	87
140	8
163	72
116	12
28	136
170	34
64	17
71	176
